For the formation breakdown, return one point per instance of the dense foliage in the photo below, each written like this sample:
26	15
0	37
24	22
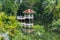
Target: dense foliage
46	23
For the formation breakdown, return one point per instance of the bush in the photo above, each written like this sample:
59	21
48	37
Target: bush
11	25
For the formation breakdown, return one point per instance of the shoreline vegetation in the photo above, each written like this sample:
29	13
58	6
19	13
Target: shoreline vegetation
46	20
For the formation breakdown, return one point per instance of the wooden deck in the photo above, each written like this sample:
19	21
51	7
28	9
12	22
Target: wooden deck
24	17
20	17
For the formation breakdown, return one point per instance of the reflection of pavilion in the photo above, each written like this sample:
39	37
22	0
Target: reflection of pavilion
27	19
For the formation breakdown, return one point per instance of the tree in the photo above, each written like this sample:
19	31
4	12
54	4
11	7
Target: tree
10	6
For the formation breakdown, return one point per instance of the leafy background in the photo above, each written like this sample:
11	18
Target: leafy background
46	23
